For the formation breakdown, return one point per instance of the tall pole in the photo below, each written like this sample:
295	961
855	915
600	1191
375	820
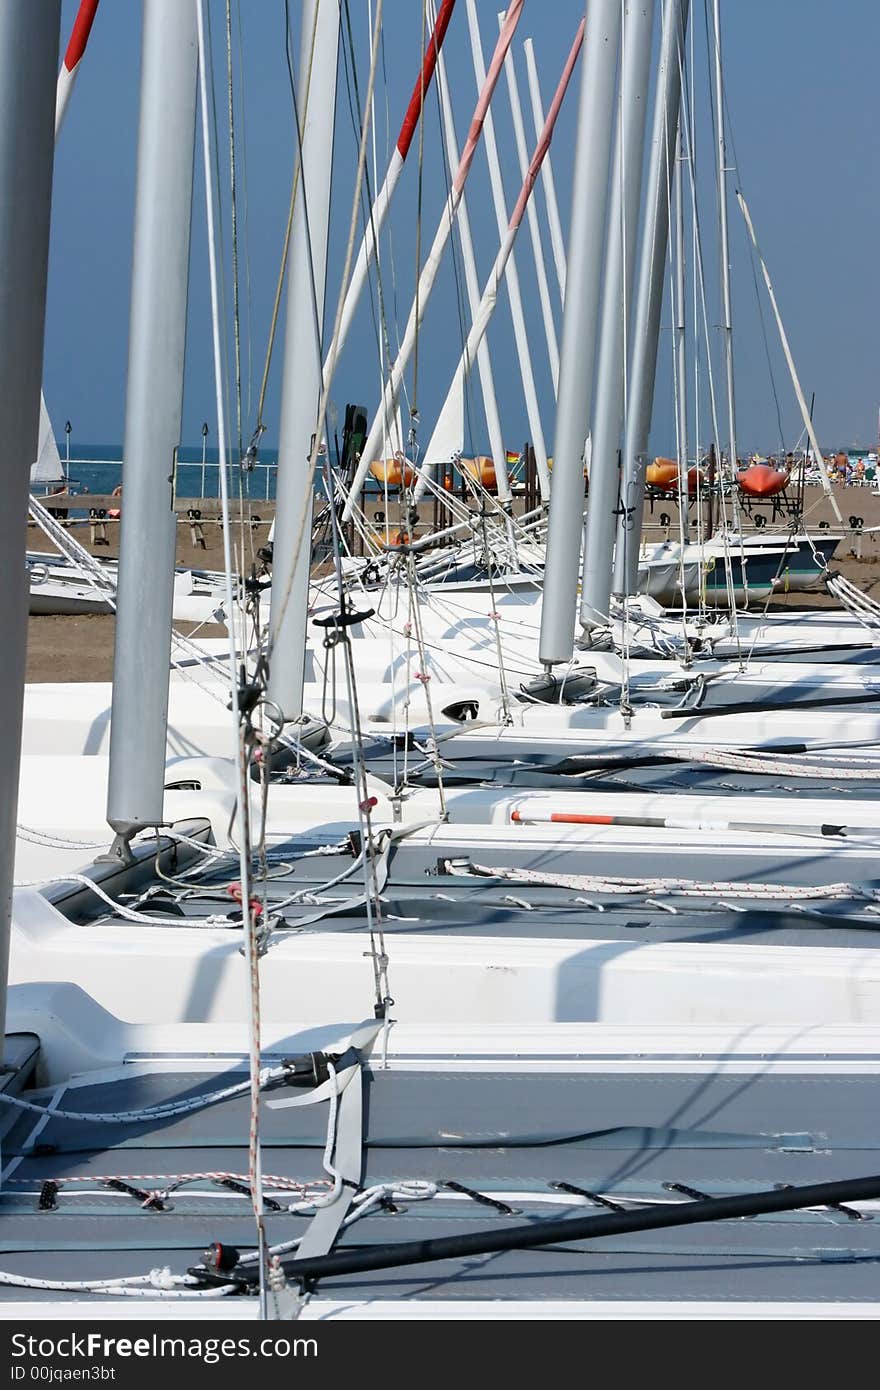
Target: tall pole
302	373
556	239
629	144
680	337
649	298
452	405
73	56
28	64
589	201
519	132
154	400
382	200
520	335
484	359
429	270
727	325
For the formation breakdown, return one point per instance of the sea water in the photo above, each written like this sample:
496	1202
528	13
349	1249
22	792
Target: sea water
97	468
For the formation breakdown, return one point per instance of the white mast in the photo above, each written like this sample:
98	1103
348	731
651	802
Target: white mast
432	264
620	256
680	314
649	299
28	60
727	326
79	37
382	200
534	228
556	239
511	279
589	202
484	360
302	374
452	406
47	468
154	400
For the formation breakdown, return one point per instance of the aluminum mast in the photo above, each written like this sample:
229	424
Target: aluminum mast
649	301
303	353
154	399
28	64
589	201
620	255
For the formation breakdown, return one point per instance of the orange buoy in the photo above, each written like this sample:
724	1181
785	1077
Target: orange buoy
398	538
395	472
696	477
662	473
760	480
481	469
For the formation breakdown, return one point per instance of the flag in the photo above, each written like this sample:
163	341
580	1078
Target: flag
512	457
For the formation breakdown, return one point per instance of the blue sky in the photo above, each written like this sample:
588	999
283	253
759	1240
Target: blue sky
801	91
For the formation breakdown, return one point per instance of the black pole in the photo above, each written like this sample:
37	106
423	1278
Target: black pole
653	1218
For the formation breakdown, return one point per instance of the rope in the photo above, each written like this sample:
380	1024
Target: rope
683	887
168	1111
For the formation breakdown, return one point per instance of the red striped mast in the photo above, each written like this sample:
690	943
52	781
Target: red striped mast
76	47
383	198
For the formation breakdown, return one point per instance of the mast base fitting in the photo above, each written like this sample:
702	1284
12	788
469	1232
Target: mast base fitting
119	852
596	639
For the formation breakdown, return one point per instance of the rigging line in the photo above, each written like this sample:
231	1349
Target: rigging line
690	121
248	918
334	342
676	309
285	248
380	323
751	251
223	460
365	803
700	269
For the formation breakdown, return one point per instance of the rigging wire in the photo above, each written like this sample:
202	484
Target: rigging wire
332	355
248	915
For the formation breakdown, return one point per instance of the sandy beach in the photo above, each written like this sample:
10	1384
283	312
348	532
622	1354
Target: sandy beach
72	648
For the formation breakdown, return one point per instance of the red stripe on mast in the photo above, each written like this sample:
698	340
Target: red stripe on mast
413	111
79	36
545	137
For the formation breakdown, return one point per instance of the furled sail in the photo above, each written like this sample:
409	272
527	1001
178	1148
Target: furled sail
447	441
47	468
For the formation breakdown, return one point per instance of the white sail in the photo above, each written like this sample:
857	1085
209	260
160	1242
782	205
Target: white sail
447	441
47	468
